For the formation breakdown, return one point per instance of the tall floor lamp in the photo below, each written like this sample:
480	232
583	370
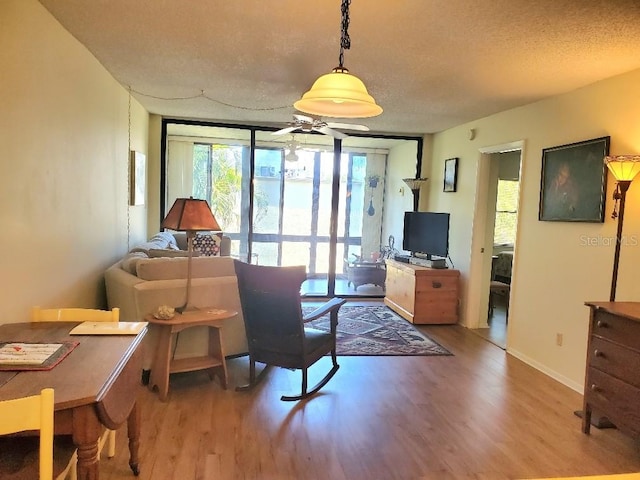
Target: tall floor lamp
190	215
415	184
624	168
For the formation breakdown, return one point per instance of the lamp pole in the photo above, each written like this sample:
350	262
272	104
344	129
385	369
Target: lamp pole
623	186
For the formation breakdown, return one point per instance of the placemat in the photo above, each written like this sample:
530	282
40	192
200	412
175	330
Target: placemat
56	357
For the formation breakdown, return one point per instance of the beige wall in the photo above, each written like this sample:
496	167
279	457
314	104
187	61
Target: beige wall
63	166
558	266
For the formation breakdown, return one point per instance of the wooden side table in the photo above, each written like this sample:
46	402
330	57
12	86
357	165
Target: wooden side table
163	365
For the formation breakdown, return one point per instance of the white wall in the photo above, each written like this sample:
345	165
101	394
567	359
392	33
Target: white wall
63	166
401	163
558	265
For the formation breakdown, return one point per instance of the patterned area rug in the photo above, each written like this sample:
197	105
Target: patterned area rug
377	330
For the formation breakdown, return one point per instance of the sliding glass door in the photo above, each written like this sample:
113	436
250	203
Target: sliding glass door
277	198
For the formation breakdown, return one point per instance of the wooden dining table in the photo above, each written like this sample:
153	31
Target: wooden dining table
95	386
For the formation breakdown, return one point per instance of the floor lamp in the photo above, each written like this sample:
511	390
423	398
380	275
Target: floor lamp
415	184
190	215
624	168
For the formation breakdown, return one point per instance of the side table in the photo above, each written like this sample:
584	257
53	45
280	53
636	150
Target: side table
163	365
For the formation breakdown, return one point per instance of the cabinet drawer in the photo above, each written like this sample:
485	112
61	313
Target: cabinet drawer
433	285
618	329
616	360
617	400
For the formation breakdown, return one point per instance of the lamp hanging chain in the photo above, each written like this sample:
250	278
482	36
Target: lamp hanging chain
345	41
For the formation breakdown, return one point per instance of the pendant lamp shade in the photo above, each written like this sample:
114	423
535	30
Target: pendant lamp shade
339	94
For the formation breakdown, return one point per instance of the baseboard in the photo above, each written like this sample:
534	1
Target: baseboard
552	373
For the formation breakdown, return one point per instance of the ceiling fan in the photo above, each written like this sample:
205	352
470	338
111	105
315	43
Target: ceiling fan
308	124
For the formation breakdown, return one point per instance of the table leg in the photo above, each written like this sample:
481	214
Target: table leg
215	351
133	431
86	434
162	362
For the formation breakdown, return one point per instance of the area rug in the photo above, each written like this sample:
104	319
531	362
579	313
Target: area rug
377	330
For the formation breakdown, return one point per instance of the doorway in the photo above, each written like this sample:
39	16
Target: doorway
494	241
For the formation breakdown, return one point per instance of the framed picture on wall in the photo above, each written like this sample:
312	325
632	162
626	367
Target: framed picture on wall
137	187
573	182
450	175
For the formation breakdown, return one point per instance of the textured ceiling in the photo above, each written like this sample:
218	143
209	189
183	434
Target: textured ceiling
431	64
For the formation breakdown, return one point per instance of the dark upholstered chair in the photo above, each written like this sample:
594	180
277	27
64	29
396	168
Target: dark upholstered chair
275	326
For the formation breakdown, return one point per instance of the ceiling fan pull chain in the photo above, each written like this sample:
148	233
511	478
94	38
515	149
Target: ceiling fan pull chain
345	41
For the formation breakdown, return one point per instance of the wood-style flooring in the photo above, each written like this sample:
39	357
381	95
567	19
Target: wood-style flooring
480	414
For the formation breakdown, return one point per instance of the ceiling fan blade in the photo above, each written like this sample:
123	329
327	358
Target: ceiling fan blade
285	130
348	126
332	132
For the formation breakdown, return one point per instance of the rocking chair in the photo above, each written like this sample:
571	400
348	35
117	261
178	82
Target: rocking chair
276	334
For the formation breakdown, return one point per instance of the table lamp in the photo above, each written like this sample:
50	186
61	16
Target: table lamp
624	168
190	215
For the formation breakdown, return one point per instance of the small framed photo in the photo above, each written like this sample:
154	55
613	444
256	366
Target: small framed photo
573	182
137	187
450	175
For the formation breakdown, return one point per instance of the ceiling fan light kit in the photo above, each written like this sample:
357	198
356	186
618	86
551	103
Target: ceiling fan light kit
339	94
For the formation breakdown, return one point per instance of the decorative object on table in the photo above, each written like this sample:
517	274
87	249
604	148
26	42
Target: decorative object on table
190	215
624	168
138	178
339	93
450	175
377	330
415	184
389	251
165	312
573	182
277	332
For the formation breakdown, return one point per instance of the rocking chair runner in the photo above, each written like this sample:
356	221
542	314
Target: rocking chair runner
276	334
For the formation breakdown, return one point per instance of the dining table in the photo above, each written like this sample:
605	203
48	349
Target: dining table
95	386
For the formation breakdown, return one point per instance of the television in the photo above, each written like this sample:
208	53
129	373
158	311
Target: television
426	233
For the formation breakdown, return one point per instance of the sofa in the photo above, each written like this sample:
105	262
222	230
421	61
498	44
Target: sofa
154	274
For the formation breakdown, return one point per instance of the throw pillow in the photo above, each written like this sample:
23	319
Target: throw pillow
208	244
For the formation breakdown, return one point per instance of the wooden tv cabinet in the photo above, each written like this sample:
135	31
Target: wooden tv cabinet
422	295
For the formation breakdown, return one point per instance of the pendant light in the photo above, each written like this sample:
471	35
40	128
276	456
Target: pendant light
339	93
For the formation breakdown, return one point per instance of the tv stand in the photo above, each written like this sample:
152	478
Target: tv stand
422	295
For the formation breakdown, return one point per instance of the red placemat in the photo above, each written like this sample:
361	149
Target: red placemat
56	357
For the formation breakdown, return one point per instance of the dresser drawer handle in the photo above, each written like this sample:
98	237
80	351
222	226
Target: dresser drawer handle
598	353
601	324
594	388
436	284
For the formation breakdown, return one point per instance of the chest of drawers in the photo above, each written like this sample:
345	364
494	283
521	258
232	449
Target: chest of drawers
612	380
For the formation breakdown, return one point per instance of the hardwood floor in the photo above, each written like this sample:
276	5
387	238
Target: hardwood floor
480	414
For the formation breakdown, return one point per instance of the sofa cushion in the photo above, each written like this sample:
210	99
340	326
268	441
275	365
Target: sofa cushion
170	268
130	261
169	252
208	244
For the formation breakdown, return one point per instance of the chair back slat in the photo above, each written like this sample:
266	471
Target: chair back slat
74	315
32	413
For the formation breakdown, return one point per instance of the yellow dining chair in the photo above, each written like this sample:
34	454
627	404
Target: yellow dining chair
82	315
19	453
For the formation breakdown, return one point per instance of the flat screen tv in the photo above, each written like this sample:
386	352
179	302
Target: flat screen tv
426	233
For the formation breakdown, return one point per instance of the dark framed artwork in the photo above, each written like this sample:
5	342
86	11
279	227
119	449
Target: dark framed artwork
573	182
450	175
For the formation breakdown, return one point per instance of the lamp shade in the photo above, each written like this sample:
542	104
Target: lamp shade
190	214
623	167
415	183
339	94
